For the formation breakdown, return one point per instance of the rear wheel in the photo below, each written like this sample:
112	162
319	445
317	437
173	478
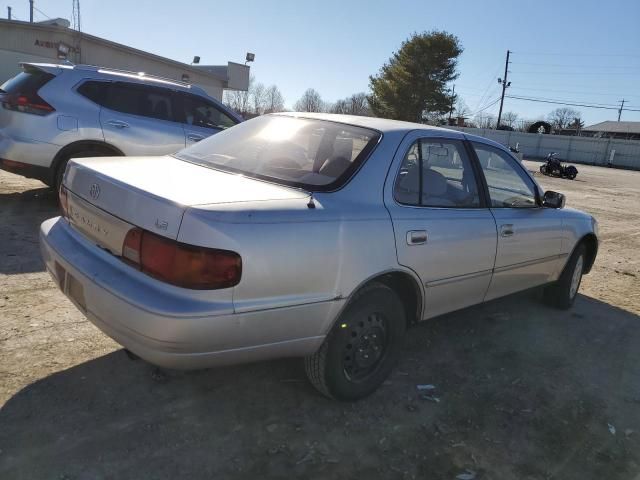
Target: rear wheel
543	169
362	347
62	165
563	292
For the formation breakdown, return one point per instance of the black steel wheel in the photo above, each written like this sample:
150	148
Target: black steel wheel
361	349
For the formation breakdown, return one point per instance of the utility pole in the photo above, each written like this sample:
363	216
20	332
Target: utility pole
9	13
620	110
505	85
453	96
31	11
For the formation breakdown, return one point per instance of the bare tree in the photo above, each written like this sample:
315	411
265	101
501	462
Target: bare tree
258	98
461	109
509	119
561	117
485	121
341	106
239	100
274	101
356	104
311	101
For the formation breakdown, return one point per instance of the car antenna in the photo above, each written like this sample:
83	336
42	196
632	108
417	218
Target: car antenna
311	203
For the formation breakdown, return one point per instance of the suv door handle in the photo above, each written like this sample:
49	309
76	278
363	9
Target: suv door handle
417	237
118	124
507	230
194	137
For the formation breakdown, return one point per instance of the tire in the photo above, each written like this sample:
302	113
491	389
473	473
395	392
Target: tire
372	326
543	169
562	293
62	165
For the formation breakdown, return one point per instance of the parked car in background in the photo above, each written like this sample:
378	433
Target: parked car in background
307	235
52	113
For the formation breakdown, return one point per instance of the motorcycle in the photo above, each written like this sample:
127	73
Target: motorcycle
554	168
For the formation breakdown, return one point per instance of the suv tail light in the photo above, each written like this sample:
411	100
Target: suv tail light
20	93
187	266
24	103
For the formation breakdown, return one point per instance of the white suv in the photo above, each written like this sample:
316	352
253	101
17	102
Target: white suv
50	113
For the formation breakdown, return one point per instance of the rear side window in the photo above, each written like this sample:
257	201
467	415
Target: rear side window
437	173
26	83
142	100
95	91
199	112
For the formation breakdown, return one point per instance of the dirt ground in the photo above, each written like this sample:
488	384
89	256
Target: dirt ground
522	391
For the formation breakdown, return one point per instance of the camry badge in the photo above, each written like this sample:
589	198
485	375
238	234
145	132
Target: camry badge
94	191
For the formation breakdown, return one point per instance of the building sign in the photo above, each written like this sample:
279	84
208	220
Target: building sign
59	46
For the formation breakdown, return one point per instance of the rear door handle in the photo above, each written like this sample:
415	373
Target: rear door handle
417	237
118	124
194	137
507	230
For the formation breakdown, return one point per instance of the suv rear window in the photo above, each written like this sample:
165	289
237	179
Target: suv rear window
26	83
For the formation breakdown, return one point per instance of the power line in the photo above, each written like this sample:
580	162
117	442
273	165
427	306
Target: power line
538	72
486	106
574	92
573	54
41	12
540	100
564	65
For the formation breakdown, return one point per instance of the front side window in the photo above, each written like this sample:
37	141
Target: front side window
201	113
146	101
509	186
312	154
437	173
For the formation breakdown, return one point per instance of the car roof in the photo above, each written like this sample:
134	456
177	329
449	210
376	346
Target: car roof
375	123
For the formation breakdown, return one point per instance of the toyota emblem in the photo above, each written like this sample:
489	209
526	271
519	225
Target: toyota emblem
94	191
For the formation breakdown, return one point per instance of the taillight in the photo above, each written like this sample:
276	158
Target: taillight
179	264
63	200
27	104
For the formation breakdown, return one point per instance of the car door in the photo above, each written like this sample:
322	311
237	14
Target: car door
141	120
201	117
442	226
529	235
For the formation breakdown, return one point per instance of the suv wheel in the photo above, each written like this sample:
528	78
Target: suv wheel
62	165
363	346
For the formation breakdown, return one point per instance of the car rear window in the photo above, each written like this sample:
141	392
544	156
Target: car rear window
26	82
312	154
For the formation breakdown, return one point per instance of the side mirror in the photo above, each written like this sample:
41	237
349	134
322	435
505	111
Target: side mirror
553	199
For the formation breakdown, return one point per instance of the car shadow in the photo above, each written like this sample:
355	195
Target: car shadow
20	216
520	391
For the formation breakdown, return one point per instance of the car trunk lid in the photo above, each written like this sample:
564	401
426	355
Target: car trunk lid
154	192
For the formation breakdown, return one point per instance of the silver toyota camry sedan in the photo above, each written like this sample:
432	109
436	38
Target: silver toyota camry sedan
307	235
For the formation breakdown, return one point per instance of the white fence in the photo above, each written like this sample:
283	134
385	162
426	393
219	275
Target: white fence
593	151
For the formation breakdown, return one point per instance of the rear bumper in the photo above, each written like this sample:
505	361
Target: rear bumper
26	157
27	150
26	170
169	326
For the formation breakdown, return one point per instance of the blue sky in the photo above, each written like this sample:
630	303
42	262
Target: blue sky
577	51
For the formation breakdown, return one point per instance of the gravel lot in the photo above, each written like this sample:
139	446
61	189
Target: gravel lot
522	390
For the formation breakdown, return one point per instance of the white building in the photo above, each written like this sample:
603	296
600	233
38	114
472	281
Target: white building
53	41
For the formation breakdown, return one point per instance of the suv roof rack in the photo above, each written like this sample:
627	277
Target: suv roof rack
109	71
130	74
